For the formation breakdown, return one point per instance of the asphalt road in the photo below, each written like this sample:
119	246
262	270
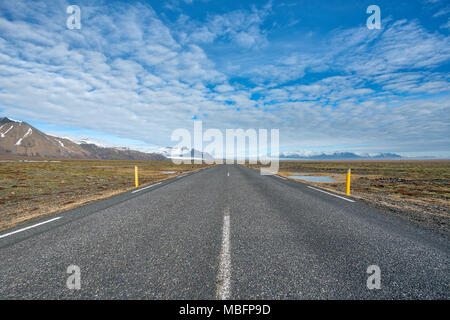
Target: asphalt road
225	232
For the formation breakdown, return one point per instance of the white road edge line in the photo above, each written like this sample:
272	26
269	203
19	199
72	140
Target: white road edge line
152	185
280	177
224	275
331	194
23	229
181	176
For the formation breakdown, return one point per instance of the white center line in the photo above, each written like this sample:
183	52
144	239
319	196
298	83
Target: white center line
23	229
331	194
152	185
224	275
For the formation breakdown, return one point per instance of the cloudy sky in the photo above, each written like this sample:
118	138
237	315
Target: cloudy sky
136	71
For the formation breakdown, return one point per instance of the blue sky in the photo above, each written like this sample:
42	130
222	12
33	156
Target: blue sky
136	71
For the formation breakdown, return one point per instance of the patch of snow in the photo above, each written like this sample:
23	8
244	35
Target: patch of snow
4	133
98	143
29	132
300	153
56	138
51	135
168	152
72	140
18	121
63	146
122	148
85	140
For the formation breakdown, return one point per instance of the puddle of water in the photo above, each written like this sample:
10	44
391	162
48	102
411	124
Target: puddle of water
312	178
168	172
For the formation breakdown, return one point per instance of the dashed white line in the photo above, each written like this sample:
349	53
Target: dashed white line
224	275
152	185
33	226
331	194
228	174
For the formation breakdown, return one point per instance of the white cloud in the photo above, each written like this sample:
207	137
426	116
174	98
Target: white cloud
446	25
128	73
442	12
240	27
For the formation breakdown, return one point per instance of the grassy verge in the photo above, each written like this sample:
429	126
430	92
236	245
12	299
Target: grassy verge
418	189
34	188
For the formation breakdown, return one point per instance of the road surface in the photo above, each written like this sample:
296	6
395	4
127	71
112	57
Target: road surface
225	232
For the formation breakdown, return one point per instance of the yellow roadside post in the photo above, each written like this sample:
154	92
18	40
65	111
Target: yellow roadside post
136	177
349	172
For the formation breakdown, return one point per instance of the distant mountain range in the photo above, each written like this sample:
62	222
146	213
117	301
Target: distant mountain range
21	139
308	155
180	153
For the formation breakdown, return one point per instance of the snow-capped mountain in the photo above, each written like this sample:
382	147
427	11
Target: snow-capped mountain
179	153
21	139
314	155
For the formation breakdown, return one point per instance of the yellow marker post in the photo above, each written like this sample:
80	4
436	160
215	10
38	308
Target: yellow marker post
136	177
349	173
